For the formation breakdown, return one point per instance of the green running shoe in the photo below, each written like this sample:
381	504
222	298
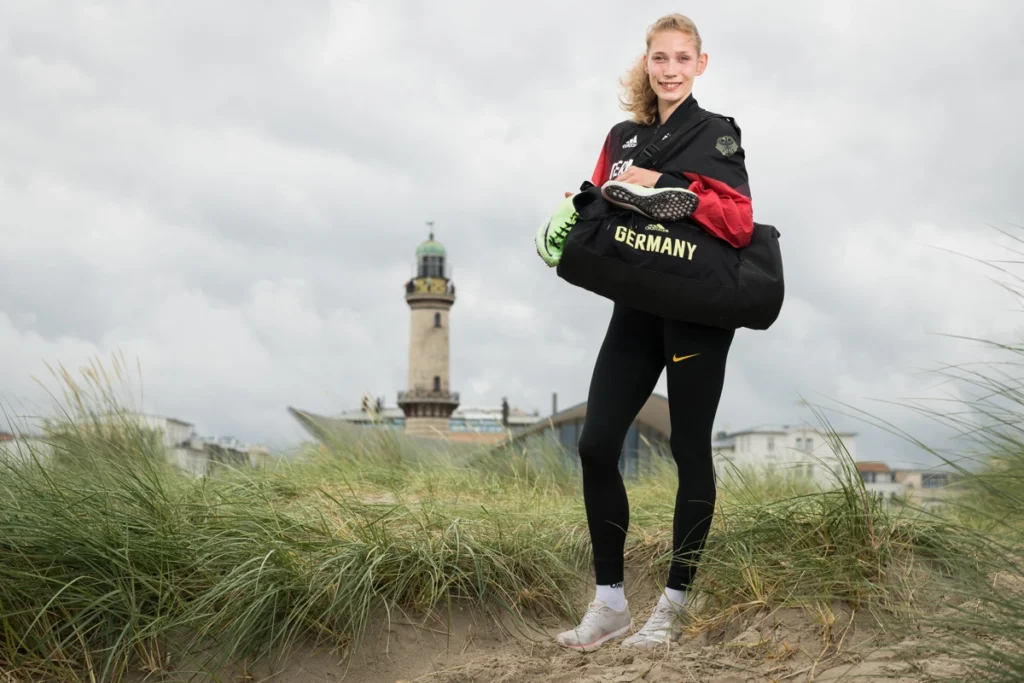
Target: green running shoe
551	236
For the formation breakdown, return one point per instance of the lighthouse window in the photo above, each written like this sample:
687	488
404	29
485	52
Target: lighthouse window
437	320
431	266
437	383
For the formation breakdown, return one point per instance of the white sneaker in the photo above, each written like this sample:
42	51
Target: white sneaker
663	627
599	625
660	204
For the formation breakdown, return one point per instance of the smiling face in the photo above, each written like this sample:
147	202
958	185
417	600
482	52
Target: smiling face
673	62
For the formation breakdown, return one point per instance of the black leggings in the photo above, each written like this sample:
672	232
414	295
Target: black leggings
636	348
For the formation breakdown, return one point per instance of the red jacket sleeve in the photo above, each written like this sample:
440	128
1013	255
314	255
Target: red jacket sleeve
713	168
723	211
603	167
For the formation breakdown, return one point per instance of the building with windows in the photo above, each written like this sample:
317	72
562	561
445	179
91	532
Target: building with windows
798	451
170	430
915	487
880	481
927	488
173	431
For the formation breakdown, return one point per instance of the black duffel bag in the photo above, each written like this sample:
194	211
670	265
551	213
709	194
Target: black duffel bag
675	270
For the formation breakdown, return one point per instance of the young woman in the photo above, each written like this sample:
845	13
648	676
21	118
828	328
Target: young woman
639	346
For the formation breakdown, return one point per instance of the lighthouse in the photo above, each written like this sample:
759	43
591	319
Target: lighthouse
429	402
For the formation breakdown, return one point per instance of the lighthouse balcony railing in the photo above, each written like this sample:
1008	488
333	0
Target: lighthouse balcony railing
449	290
428	395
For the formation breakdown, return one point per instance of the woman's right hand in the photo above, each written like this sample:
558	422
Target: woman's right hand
568	194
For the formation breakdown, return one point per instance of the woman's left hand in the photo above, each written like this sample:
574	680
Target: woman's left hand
638	176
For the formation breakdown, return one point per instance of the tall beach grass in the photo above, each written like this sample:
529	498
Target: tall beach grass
112	561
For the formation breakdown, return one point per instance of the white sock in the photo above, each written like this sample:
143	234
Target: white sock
672	597
614	596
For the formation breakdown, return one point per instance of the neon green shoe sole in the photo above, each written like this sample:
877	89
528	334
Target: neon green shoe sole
552	233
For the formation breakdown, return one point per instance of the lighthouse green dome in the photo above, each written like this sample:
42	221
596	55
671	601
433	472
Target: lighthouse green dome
430	248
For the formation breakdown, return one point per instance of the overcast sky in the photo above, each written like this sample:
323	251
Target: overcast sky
232	193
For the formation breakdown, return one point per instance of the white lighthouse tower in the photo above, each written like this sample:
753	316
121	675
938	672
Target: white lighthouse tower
428	403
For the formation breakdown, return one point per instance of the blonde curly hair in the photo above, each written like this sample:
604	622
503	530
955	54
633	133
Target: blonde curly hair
638	98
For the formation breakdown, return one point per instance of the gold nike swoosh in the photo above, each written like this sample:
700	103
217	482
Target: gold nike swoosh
676	359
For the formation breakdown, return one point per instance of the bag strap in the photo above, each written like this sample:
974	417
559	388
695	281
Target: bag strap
658	145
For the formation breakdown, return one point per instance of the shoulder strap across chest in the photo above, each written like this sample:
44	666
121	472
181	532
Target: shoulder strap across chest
652	152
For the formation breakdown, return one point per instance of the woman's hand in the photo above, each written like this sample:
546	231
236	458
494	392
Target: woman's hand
638	176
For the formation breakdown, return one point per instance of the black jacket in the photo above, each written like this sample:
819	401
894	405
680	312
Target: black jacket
708	161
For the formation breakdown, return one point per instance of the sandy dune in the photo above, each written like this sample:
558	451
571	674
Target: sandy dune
787	645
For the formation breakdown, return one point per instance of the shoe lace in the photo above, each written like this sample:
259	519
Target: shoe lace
661	620
593	613
557	236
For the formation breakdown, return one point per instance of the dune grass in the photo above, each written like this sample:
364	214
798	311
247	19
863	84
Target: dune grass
984	619
113	561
